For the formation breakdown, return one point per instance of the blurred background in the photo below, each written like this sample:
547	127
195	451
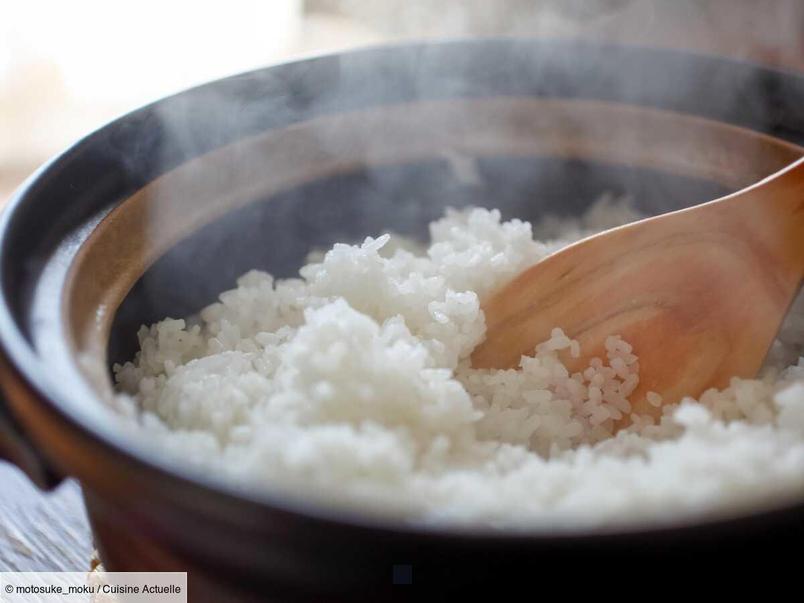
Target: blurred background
68	67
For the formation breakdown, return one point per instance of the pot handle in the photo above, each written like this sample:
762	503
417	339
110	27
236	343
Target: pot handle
19	450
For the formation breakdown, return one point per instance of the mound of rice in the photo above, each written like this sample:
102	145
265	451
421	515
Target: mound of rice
351	385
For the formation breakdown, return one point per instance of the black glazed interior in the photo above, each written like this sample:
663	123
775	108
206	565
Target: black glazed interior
275	234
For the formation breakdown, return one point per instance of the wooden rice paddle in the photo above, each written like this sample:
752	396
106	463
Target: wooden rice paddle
700	293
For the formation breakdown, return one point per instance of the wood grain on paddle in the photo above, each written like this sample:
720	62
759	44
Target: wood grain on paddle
700	293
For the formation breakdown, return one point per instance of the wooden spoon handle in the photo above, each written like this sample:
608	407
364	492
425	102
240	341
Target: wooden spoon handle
774	210
700	293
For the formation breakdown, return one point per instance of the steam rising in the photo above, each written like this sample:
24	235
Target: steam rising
188	126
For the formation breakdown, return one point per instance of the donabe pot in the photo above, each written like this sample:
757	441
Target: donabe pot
156	213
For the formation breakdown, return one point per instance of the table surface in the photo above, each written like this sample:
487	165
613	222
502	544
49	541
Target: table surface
42	532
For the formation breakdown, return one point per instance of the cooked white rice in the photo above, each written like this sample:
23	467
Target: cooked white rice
351	385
